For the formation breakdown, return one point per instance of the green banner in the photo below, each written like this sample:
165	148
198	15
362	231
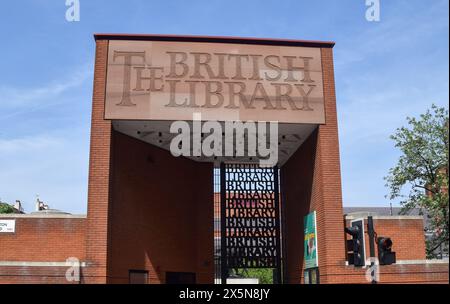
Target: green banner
310	241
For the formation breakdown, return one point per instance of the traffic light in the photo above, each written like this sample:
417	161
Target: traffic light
355	246
385	254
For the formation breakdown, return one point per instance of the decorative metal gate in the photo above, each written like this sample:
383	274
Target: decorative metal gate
249	219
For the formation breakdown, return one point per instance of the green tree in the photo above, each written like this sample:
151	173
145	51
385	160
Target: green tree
420	178
265	275
5	208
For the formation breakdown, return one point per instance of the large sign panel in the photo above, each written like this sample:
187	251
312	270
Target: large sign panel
159	80
310	241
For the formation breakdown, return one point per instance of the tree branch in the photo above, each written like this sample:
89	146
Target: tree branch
436	247
423	187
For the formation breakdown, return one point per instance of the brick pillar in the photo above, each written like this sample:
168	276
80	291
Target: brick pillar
327	167
99	176
311	180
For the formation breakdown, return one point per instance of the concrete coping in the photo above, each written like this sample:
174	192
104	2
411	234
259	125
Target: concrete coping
40	264
414	262
44	215
383	217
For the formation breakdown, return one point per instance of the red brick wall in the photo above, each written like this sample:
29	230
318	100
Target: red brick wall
296	199
161	213
311	180
407	236
99	175
44	240
409	245
41	240
329	217
35	275
423	273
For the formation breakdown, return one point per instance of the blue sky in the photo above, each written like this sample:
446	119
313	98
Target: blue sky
384	70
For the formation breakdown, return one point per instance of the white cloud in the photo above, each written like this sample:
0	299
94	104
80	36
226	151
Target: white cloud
393	33
16	97
31	143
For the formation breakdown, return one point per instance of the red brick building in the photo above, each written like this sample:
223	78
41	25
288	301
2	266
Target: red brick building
37	250
151	215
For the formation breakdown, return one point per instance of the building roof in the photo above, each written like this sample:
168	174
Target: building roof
216	39
381	210
387	211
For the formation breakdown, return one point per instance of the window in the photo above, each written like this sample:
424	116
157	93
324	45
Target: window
138	276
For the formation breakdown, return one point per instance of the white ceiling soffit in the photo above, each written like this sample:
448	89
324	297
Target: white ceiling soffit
290	137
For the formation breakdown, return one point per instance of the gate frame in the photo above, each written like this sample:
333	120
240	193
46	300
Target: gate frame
224	270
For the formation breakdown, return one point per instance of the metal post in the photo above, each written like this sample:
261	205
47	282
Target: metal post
371	233
277	221
223	244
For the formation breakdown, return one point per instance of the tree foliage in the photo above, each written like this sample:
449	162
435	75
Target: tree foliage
265	275
5	208
420	178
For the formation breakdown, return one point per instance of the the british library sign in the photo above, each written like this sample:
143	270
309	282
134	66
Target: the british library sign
154	80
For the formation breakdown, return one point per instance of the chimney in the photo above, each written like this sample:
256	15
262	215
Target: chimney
18	205
40	205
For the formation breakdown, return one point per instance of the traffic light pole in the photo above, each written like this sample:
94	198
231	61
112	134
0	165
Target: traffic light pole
371	233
